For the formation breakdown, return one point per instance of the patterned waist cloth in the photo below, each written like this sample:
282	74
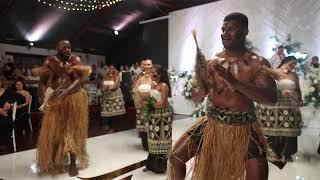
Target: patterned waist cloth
227	116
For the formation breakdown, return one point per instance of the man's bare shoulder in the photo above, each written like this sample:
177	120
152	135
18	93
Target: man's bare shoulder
75	60
50	60
217	58
258	60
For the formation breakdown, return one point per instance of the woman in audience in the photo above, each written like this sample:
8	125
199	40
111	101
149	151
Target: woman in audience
282	121
23	99
159	122
141	92
6	99
112	100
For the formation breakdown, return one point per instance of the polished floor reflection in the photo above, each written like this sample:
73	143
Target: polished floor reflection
112	152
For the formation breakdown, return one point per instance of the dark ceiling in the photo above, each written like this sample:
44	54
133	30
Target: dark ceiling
88	31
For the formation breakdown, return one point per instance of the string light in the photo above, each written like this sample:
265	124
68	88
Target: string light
79	5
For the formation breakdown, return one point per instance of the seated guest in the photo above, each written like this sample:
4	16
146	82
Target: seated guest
23	98
6	98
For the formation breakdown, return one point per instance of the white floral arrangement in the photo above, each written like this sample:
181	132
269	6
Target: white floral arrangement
183	74
310	88
187	87
173	75
200	109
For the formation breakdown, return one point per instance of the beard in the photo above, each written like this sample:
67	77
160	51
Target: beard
64	56
315	65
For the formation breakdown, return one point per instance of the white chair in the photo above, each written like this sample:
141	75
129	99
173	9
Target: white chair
29	112
14	113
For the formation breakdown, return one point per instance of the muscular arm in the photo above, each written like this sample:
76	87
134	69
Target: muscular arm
75	85
199	93
43	82
263	89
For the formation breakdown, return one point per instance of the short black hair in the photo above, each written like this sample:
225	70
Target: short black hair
236	16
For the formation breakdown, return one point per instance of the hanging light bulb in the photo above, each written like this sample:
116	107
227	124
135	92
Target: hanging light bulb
73	5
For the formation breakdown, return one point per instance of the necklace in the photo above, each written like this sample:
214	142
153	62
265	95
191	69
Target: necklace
286	71
62	64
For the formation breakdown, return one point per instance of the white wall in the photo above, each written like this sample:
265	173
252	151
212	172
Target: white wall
301	18
4	48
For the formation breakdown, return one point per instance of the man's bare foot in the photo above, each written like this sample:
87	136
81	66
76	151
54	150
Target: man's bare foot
145	170
73	171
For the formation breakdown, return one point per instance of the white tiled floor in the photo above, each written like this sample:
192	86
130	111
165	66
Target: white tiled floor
107	153
115	151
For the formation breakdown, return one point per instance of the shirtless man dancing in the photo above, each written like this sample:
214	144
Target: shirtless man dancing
228	143
65	104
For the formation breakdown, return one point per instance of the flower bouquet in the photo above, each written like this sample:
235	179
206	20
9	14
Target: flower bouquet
149	106
311	88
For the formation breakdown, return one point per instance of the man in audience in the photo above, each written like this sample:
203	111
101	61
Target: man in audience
315	62
277	58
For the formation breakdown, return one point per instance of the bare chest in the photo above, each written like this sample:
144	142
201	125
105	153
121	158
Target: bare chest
242	70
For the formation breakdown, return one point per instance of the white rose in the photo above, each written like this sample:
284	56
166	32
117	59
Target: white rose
315	81
187	94
313	99
312	89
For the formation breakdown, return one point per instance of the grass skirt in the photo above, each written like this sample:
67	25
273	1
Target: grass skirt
224	148
64	130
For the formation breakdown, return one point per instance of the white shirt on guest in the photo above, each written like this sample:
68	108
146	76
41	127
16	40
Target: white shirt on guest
276	59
